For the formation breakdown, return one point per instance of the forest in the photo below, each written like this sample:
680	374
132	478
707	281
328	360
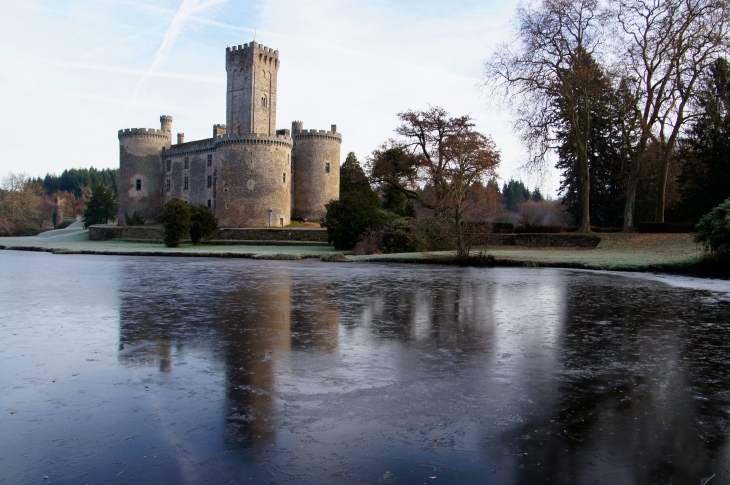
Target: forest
28	205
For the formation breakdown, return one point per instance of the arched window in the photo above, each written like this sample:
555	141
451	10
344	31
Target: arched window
264	102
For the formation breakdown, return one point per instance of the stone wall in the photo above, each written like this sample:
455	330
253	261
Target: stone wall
316	170
253	183
104	232
540	240
197	172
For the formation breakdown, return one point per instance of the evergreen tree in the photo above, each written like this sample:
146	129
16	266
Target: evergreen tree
357	212
607	159
537	195
515	193
101	206
202	223
176	219
705	174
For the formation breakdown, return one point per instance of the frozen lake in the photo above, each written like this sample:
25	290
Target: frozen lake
186	370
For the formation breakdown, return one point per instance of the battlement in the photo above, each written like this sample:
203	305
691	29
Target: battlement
298	132
254	139
143	132
197	146
252	52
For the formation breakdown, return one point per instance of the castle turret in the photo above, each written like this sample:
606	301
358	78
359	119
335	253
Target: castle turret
219	130
141	171
251	97
166	123
316	170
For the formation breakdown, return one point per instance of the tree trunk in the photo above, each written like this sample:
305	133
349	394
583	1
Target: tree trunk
662	193
585	195
631	195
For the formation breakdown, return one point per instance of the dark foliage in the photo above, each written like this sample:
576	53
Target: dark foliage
515	193
357	212
713	230
705	153
202	223
135	219
65	223
176	219
101	206
607	157
76	179
401	236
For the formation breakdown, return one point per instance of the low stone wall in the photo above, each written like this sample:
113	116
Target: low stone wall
541	240
104	232
273	234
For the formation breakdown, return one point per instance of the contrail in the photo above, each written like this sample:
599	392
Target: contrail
187	8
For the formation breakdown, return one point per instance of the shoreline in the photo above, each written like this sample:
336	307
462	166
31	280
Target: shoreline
646	253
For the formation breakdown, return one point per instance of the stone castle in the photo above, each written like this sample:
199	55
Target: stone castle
249	173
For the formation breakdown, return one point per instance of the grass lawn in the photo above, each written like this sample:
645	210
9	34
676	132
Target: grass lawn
616	251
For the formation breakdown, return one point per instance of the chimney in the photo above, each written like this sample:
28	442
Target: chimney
180	138
334	128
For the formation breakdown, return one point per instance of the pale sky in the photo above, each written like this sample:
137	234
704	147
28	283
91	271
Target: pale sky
73	72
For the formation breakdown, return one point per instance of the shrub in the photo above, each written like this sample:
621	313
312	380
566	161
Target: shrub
369	244
279	257
334	258
541	229
355	214
436	234
713	230
202	223
176	219
400	236
135	220
65	223
503	227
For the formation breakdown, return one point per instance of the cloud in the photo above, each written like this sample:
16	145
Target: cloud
125	70
186	10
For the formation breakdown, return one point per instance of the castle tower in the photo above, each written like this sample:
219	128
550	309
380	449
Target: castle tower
251	96
315	169
140	169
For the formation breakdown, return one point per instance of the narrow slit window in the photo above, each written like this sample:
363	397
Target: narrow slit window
327	167
210	160
169	164
264	101
167	185
283	177
186	182
186	162
209	181
210	203
138	185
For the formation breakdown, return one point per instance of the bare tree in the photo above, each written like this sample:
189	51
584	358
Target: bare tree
20	204
667	45
440	152
550	80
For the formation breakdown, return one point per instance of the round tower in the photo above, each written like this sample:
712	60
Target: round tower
253	185
141	171
166	123
316	170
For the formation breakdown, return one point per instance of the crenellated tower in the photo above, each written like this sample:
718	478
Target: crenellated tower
141	171
251	96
